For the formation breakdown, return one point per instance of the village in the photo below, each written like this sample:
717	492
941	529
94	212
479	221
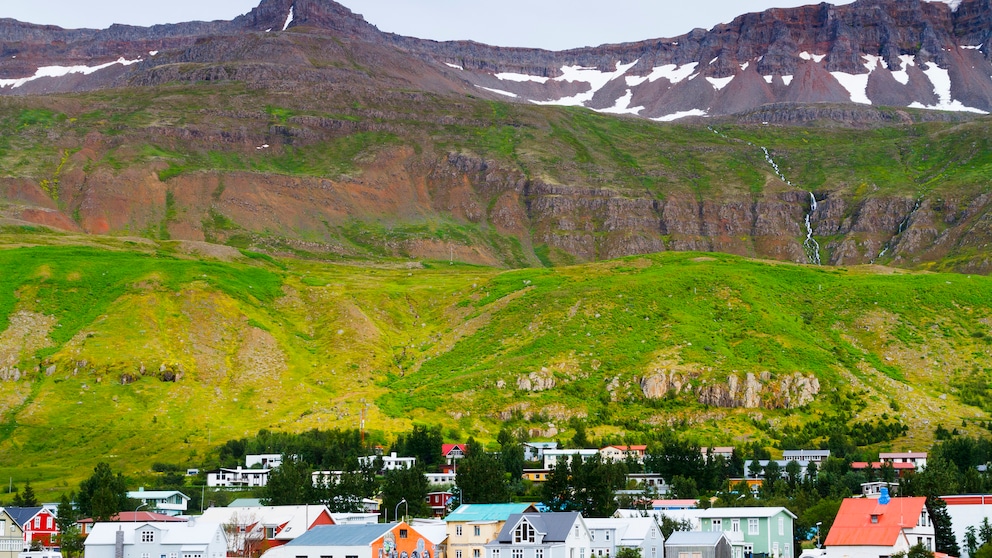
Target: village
877	523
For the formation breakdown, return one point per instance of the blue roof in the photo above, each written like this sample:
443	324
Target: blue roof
554	525
342	535
488	512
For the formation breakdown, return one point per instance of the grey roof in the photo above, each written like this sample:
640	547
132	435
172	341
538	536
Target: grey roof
745	512
23	515
342	535
554	525
695	538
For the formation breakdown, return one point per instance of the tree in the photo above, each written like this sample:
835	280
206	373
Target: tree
103	495
405	484
244	535
481	476
586	486
290	484
944	539
629	552
25	498
915	551
423	443
669	525
70	539
684	487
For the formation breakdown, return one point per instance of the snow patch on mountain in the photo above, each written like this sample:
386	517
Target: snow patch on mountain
952	3
622	106
289	19
902	74
60	71
814	57
510	76
856	85
720	83
671	72
678	115
499	91
595	78
941	80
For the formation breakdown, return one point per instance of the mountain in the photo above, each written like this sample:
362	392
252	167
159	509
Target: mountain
903	53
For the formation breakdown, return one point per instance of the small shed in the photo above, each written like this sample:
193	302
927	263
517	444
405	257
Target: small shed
698	544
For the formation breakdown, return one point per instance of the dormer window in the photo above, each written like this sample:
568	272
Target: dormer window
148	536
524	533
874	519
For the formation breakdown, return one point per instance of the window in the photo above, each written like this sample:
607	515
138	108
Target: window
781	526
145	555
607	535
654	552
403	533
458	530
874	519
735	525
326	556
458	554
716	525
517	553
270	532
683	555
775	549
495	553
524	532
538	553
582	552
148	536
37	523
475	553
303	556
476	530
752	526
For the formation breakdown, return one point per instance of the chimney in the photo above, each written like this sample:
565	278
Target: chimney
884	499
119	544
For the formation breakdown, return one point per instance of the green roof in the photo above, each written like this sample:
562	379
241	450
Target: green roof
489	512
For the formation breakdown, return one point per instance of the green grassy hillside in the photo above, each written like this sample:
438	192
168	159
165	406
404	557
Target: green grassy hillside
136	352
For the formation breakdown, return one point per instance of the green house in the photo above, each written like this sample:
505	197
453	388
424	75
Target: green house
753	532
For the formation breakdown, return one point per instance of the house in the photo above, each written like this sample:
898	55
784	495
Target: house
697	544
814	456
874	489
391	462
440	479
37	524
967	511
263	460
623	453
675	504
451	453
86	525
766	531
374	540
680	514
165	502
611	534
870	528
651	481
536	475
11	535
917	458
438	502
724	451
552	457
260	528
191	539
471	526
238	478
534	451
901	468
542	535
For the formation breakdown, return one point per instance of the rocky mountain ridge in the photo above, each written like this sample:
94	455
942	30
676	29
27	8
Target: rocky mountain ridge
908	53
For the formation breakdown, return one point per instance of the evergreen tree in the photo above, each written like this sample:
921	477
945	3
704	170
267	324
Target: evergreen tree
103	495
70	539
481	476
423	443
944	539
25	498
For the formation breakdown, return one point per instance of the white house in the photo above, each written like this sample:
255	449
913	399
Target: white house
390	462
967	511
191	539
623	453
542	535
165	502
816	456
552	457
917	458
263	460
611	534
869	528
534	451
259	526
238	478
438	479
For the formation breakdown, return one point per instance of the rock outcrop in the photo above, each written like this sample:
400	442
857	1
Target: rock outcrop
753	391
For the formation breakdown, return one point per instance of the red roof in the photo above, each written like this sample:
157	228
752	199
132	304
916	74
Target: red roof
866	522
857	465
448	448
130	516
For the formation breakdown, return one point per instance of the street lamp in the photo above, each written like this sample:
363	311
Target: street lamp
818	523
135	518
396	512
461	494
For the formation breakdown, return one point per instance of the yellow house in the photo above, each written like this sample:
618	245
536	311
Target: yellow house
536	475
471	526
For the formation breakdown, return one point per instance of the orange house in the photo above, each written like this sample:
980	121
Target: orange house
372	540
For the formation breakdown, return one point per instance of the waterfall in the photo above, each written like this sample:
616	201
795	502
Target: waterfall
811	246
902	227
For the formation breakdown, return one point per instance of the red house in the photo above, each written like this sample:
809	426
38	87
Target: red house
38	524
452	452
438	502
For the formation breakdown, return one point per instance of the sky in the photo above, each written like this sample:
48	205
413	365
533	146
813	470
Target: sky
549	24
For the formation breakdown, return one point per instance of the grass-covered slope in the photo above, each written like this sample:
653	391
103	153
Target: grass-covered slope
136	352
